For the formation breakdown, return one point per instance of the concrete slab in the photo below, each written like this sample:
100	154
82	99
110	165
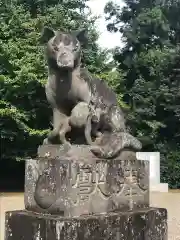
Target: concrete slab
161	187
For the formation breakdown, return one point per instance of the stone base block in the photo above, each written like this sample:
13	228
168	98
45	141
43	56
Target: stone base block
73	182
149	224
159	187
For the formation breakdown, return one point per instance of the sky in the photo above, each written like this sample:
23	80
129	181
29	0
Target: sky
107	39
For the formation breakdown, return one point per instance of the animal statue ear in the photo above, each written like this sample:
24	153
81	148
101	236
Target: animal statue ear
47	34
81	35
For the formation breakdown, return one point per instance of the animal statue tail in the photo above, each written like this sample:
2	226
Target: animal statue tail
110	144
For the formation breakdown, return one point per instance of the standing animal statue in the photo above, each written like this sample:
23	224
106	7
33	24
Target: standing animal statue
68	85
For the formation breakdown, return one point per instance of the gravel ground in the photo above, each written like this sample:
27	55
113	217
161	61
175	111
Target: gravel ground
170	200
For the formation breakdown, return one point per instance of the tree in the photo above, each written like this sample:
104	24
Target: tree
150	62
24	111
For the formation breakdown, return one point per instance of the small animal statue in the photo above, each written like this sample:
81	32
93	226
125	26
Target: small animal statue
110	139
105	119
108	125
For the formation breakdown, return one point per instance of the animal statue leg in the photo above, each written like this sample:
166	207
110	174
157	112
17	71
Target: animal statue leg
65	128
60	127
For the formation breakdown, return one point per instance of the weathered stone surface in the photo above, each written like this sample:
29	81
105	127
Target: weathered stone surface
147	224
75	183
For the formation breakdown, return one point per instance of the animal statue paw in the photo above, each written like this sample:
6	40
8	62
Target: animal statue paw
67	145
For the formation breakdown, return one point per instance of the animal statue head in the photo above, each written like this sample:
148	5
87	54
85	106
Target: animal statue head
63	50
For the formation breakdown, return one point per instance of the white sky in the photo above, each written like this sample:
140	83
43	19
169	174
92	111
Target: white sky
107	39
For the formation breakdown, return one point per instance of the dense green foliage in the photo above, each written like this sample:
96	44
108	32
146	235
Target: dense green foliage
150	61
24	112
147	78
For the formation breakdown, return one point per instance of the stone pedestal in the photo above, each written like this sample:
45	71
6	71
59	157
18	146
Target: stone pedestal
145	224
75	182
72	194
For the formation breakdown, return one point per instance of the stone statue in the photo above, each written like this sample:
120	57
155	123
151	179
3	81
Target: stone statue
113	139
85	182
72	90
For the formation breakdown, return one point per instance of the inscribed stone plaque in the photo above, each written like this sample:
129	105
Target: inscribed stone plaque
77	187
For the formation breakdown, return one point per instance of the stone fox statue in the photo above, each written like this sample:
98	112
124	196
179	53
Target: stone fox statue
68	83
